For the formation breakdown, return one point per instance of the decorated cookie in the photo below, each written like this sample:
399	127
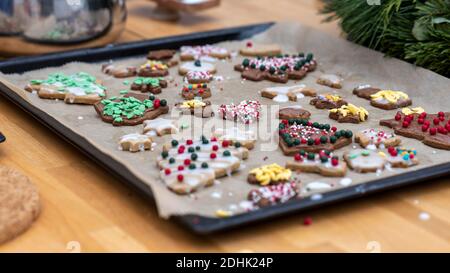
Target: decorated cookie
79	88
328	101
153	69
413	110
131	109
432	129
330	80
287	93
195	90
388	99
255	50
376	138
198	77
135	143
247	111
189	53
349	114
196	66
279	68
301	134
160	127
273	194
401	157
119	71
152	85
19	203
246	138
190	165
365	91
364	161
293	112
196	107
323	163
269	175
164	55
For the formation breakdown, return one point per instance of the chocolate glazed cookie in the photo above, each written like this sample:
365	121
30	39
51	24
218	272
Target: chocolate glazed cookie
293	112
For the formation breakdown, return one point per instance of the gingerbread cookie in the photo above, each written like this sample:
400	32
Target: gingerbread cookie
2	137
19	203
328	101
166	56
269	175
197	66
189	53
135	143
131	109
365	91
432	129
193	77
301	134
153	69
388	99
287	93
246	138
376	138
273	194
277	69
186	167
400	157
349	114
151	85
253	50
119	71
196	107
293	112
160	127
323	163
192	91
247	111
79	88
364	161
330	80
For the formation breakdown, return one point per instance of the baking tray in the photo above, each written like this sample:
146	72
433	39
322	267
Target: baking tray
197	224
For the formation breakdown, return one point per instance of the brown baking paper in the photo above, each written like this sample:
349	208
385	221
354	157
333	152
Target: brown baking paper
357	65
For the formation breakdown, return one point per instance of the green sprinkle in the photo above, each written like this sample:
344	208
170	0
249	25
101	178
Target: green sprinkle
123	92
126	82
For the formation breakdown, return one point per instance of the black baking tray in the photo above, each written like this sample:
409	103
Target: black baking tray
197	224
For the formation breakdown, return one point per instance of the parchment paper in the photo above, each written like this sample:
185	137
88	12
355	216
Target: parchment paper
357	65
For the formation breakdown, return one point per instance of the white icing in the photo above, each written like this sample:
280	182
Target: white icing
151	127
331	78
283	92
371	161
134	137
190	66
345	181
234	134
317	186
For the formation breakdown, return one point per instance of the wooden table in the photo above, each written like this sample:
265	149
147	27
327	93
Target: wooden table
85	208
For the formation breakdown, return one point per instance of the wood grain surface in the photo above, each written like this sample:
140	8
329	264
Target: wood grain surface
86	209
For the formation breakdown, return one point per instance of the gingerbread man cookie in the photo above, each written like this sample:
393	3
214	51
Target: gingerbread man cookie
197	66
287	93
196	107
323	163
254	50
365	91
273	194
247	138
349	114
186	167
301	134
328	101
151	85
131	109
160	127
166	56
247	111
79	88
153	69
195	77
135	143
376	138
293	112
278	68
432	129
401	157
189	53
364	161
192	91
388	99
330	80
118	71
269	175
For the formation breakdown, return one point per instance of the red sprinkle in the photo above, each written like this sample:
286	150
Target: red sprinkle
441	118
187	161
303	141
420	120
398	117
213	139
317	141
180	177
334	161
200	91
180	168
424	128
307	221
436	121
156	103
215	147
225	143
297	157
426	122
423	115
334	129
433	131
405	124
167	171
249	44
441	114
189	142
212	155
